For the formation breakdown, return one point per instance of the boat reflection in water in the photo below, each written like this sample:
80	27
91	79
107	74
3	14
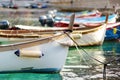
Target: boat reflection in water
113	48
82	63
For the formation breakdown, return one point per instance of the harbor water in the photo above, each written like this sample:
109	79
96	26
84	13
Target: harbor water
83	63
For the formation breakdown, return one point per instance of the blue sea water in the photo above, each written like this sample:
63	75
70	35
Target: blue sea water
29	76
80	65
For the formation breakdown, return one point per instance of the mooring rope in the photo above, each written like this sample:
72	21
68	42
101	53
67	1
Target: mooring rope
79	54
104	64
81	47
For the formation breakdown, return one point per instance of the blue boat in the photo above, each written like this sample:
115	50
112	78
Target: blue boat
54	15
111	18
113	31
65	21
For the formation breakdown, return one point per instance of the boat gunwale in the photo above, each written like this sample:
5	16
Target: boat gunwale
89	29
30	43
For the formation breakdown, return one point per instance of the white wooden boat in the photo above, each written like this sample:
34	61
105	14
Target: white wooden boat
90	36
36	55
84	36
43	54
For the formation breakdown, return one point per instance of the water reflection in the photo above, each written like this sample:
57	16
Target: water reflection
30	76
85	55
77	56
111	47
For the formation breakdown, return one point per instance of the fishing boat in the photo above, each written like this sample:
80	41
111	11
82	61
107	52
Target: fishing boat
90	36
84	36
88	14
87	21
36	55
113	31
81	14
55	17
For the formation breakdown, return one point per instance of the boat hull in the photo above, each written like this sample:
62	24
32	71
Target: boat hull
52	56
113	31
86	21
91	37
